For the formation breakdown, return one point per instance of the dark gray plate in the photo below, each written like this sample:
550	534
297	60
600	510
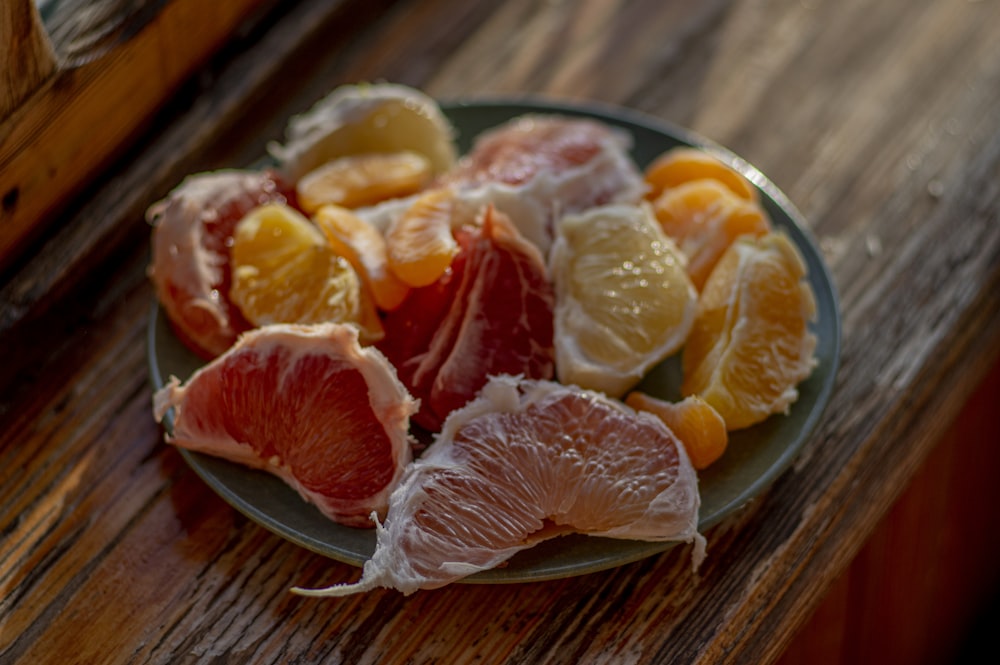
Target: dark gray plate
754	458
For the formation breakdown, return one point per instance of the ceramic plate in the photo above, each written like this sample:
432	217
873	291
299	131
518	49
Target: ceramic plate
754	458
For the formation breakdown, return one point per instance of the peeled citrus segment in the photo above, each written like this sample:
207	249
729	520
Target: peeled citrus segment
365	118
307	404
284	271
683	164
363	180
751	345
489	314
527	461
192	230
623	299
704	217
537	167
698	426
364	247
419	243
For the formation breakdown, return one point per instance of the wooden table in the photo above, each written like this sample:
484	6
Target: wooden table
881	121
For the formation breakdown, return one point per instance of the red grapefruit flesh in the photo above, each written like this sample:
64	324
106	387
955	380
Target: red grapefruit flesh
306	403
527	461
536	167
192	232
490	314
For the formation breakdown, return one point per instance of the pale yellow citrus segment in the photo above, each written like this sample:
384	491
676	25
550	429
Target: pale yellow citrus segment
419	242
363	180
364	247
684	164
366	118
624	301
751	345
696	423
284	271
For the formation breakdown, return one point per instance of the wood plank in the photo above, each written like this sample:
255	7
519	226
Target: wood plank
28	59
114	215
918	587
893	156
60	136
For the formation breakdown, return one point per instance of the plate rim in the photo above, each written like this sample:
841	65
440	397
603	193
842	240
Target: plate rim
635	550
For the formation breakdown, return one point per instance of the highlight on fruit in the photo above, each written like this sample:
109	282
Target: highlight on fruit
449	349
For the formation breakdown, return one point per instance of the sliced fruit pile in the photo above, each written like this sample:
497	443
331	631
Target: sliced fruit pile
507	302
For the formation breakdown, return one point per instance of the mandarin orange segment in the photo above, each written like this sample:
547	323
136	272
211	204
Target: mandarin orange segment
364	247
284	271
362	180
695	422
704	217
751	345
683	164
419	242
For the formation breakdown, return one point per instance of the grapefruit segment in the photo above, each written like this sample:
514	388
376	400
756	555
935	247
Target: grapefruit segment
308	404
536	167
366	118
190	268
623	299
491	313
524	462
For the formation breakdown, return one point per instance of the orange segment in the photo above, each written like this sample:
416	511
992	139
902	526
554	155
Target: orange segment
420	244
362	180
364	247
695	422
680	165
751	346
704	217
284	271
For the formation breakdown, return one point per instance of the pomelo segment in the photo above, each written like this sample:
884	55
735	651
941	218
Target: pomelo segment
524	462
190	268
624	301
366	118
537	167
308	404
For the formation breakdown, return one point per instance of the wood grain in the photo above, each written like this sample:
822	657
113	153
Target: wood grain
79	115
27	59
882	124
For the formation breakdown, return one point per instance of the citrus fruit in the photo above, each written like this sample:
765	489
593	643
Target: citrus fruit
366	118
284	271
704	217
307	404
364	247
693	420
524	462
751	344
192	230
536	167
684	164
363	180
419	243
623	299
491	313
